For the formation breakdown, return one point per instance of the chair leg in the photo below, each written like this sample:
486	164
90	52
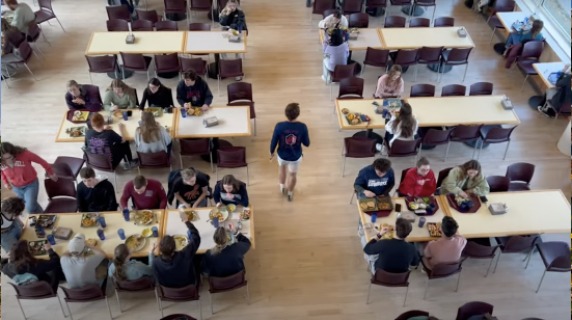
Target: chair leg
61	306
480	150
247	295
352	198
22	309
212	308
108	308
506	150
115	179
58	20
524	82
475	150
69	310
426	287
344	168
181	161
528	258
493	35
489	268
447	151
118	301
216	173
218	85
540	283
466	69
406	292
458	282
368	292
212	165
415	76
200	309
90	79
497	263
30	71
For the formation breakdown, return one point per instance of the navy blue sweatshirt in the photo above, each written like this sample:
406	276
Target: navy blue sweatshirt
97	199
229	261
289	136
395	255
197	95
179	271
239	197
367	179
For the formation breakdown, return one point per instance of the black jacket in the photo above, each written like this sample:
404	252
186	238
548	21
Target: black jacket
563	95
394	255
229	261
162	98
40	269
235	20
97	199
197	95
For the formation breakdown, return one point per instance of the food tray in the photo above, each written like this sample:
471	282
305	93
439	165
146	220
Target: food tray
46	220
77	116
91	242
180	242
366	206
473	197
76	132
357	118
143	217
135	242
156	111
222	214
89	220
425	200
37	247
195	112
434	229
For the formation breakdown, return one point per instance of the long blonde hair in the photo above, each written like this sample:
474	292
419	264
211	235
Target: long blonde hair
221	239
150	130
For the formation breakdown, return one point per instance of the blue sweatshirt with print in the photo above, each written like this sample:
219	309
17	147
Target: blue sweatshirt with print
368	179
289	136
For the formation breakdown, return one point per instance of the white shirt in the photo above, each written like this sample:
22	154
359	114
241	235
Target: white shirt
397	132
79	271
328	22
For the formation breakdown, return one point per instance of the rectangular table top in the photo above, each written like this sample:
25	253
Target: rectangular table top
434	111
114	221
411	38
368	37
172	225
233	122
131	125
508	18
212	42
146	42
544	69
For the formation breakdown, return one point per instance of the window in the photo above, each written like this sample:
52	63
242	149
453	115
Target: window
559	12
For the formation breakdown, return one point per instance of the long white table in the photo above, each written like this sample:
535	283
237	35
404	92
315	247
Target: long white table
146	42
213	42
367	37
411	38
233	122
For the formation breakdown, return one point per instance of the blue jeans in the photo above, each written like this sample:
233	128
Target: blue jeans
11	236
29	194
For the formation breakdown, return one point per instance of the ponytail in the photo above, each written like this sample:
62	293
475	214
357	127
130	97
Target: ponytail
121	254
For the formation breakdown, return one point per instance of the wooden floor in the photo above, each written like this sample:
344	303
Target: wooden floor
308	262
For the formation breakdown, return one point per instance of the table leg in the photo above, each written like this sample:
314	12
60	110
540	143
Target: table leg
417	11
119	73
369	134
213	67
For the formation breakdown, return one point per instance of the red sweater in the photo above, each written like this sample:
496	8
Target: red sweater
410	187
22	174
154	196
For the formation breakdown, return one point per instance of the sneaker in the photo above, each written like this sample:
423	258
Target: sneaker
378	147
290	196
543	111
324	79
282	190
131	165
237	78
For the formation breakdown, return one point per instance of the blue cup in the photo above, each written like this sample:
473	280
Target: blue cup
385	103
121	234
126	214
125	115
100	234
183	112
155	231
215	222
373	217
40	232
51	239
101	221
421	222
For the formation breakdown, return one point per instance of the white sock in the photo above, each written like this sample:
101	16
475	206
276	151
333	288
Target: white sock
281	186
289	193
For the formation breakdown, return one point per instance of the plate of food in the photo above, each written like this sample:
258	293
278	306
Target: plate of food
91	242
192	215
245	214
470	204
384	203
89	220
76	132
368	204
422	206
147	232
197	112
144	217
135	242
388	234
355	118
118	114
46	220
37	247
180	242
434	229
78	116
216	213
156	111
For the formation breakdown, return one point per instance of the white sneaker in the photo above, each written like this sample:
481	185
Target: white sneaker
324	79
378	147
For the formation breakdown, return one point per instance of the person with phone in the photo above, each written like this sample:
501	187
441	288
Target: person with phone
157	95
419	181
390	85
232	16
559	96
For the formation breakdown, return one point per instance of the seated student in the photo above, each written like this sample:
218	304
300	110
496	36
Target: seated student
22	261
119	96
194	91
21	14
77	98
12	225
191	190
395	255
467	178
11	39
334	20
101	139
175	269
336	52
151	137
80	265
518	37
448	248
560	96
230	190
157	94
95	194
402	126
390	85
232	16
419	181
145	193
122	268
375	180
227	257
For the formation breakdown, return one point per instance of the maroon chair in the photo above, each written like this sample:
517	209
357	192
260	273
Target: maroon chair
85	294
196	26
149	15
195	147
229	68
178	7
519	174
429	55
358	20
225	284
101	162
35	291
61	196
388	279
419	23
166	25
135	62
351	88
531	52
159	159
473	308
442	175
498	183
142	25
166	63
406	57
340	72
394	22
422	90
143	284
240	94
481	89
496	135
352	6
376	4
358	148
435	137
69	167
442	270
474	250
117	25
96	104
425	3
34	33
232	157
444	22
412	313
453	90
376	58
26	53
516	244
101	64
320	6
499	6
404	148
201	5
46	13
555	256
178	316
120	12
187	293
465	134
196	64
457	57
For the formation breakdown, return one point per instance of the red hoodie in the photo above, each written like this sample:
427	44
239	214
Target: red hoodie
410	187
22	174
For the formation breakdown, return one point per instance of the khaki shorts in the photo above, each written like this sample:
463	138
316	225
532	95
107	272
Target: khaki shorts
292	165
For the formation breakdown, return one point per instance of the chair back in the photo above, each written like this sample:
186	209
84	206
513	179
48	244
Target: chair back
197	26
358	20
479	251
520	172
555	255
196	64
406	57
481	89
352	86
424	3
188	293
376	57
429	55
92	91
117	25
458	56
516	244
531	50
422	90
359	147
390	279
142	25
239	91
376	3
442	270
201	5
34	290
230	68
120	12
88	293
62	188
474	308
322	5
149	15
101	64
442	175
167	63
25	51
99	161
412	313
462	133
504	6
394	22
436	136
173	6
45	5
191	147
404	148
166	25
159	159
453	90
498	183
352	6
34	31
498	134
342	71
133	61
221	284
141	284
178	316
444	22
231	157
419	23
